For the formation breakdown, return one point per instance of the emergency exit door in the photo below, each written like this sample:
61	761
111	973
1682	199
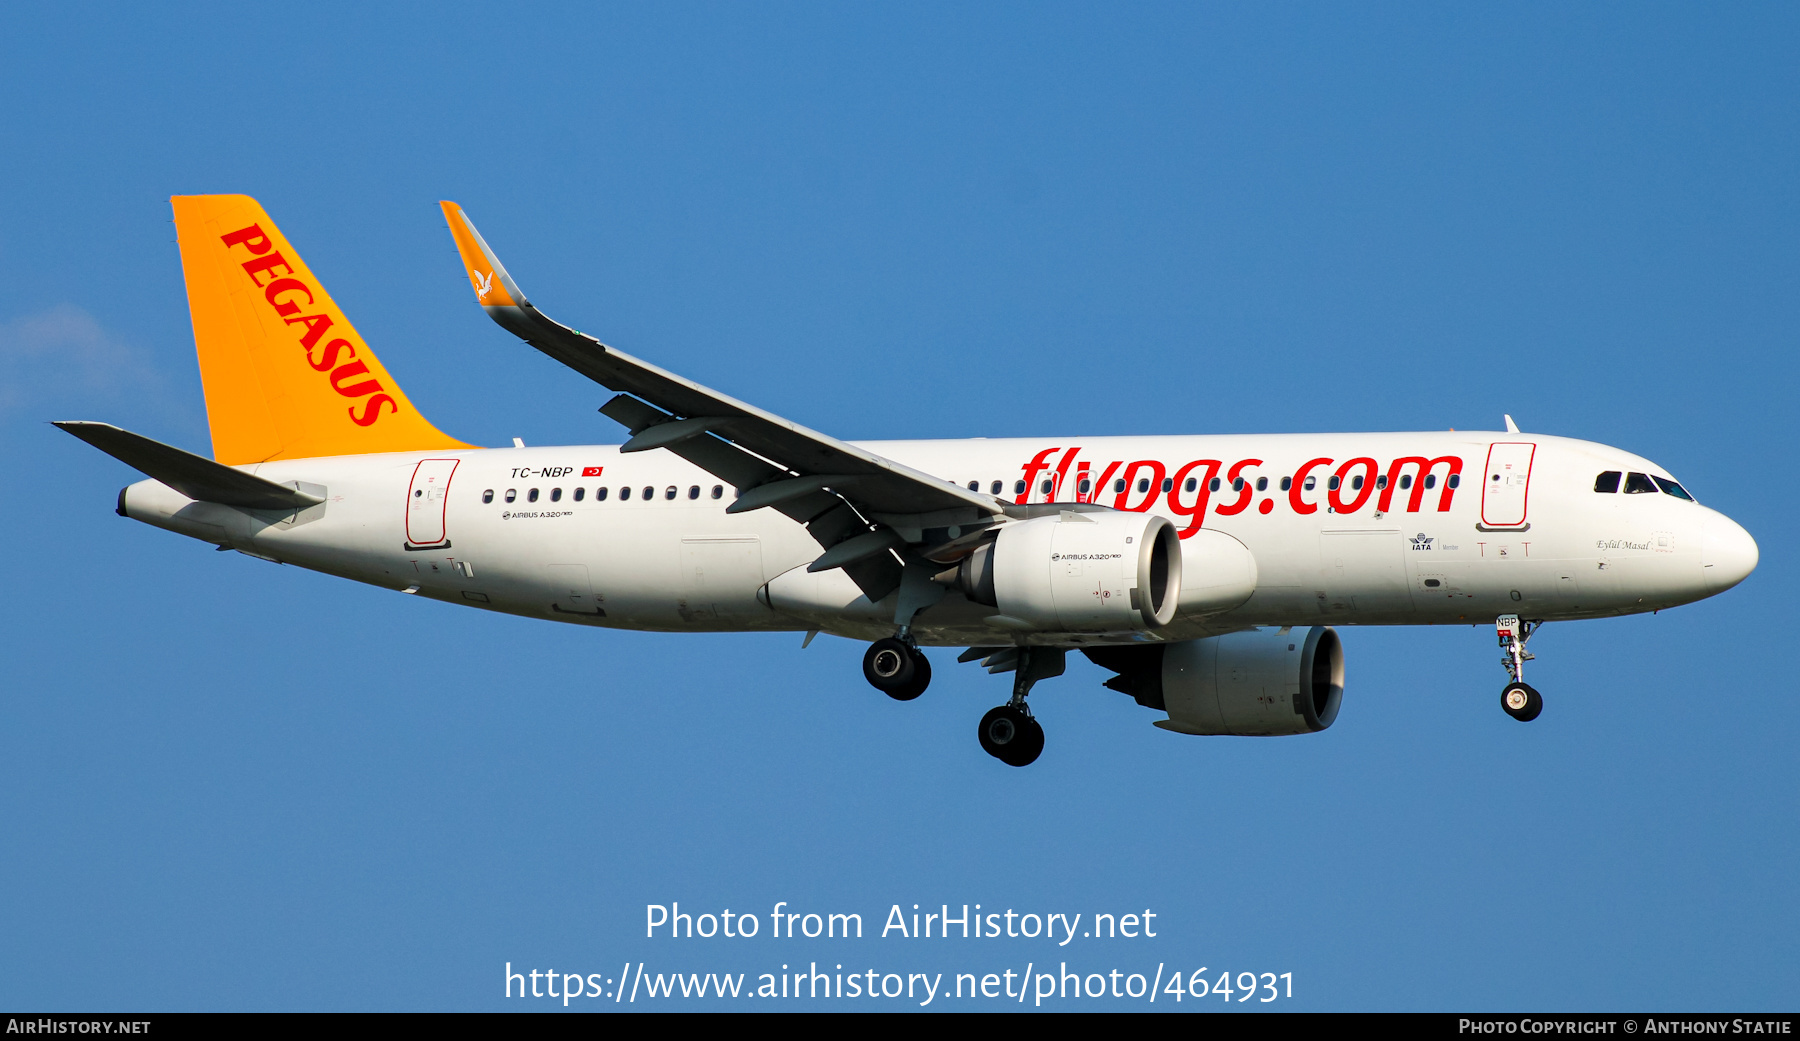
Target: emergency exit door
426	501
1506	485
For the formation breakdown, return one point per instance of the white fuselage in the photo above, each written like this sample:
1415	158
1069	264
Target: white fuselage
1522	531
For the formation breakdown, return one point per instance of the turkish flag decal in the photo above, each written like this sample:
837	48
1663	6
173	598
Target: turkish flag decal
591	471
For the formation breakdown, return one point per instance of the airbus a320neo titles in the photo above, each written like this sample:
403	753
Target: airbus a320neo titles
1207	572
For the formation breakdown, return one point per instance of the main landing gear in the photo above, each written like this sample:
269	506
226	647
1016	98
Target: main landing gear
1009	732
897	668
1520	700
895	665
1011	735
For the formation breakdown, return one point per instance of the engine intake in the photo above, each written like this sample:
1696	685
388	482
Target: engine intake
1079	572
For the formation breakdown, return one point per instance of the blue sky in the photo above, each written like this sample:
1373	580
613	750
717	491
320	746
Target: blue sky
230	785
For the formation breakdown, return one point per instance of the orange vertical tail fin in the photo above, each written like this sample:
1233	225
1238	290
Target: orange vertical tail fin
286	375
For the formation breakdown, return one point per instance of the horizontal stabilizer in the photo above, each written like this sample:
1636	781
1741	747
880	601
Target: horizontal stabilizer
196	477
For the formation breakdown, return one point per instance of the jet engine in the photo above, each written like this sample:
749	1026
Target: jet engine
1260	683
1104	571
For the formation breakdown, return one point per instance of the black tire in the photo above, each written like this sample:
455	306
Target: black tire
1033	746
890	665
1521	701
920	680
1010	736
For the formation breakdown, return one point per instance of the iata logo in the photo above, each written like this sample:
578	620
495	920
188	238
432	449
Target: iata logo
484	284
1421	541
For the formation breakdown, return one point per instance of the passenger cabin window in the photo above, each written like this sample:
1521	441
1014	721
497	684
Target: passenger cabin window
1237	484
487	496
718	491
531	496
1018	487
1287	483
624	493
1431	480
994	489
511	494
1335	481
1311	483
1671	488
1168	484
1455	481
1608	482
671	491
580	494
1356	482
1213	485
1086	486
600	494
694	491
1045	486
1262	484
1381	482
1405	481
648	493
1638	484
1192	484
1143	484
1119	486
974	486
556	495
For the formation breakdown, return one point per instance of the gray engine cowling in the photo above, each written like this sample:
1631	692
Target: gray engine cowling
1259	683
1100	571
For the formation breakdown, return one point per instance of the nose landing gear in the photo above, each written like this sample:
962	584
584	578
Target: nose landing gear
1520	700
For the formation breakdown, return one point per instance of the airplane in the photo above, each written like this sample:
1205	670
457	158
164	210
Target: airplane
1209	574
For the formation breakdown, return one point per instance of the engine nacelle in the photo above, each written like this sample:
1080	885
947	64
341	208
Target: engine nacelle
1218	573
1101	571
1259	683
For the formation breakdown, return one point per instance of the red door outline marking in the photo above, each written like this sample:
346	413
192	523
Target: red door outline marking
427	502
1507	462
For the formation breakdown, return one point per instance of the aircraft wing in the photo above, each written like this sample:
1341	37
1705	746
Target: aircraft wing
773	462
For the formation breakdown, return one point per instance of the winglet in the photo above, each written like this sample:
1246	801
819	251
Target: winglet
493	286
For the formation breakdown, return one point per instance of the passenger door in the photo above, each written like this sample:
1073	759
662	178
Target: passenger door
427	499
1506	485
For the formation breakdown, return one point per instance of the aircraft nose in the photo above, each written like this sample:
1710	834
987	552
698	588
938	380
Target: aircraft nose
1727	553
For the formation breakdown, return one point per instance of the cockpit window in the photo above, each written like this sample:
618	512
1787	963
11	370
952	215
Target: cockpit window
1671	488
1637	484
1608	481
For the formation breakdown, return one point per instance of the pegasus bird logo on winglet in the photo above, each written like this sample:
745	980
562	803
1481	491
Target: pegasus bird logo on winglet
484	284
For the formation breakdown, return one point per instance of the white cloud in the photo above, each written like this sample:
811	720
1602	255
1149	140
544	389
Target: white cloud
63	357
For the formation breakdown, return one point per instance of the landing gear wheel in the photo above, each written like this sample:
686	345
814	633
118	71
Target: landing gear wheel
897	670
1011	736
1521	702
